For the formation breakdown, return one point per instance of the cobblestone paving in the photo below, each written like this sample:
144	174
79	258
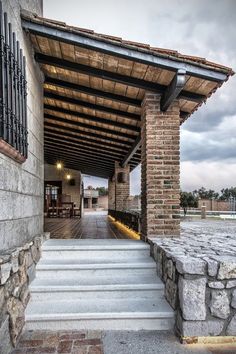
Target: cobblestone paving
209	227
68	342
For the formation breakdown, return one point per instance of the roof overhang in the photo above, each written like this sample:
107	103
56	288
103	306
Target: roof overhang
94	85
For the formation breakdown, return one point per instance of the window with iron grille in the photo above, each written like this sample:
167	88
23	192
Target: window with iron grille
13	93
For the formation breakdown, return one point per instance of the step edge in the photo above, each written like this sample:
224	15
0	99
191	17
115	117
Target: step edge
99	315
96	248
96	266
74	288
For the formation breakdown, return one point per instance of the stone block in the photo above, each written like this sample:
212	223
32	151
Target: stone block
231	284
29	259
227	269
169	268
5	270
11	284
233	301
231	329
192	298
219	305
5	340
2	298
35	253
31	273
171	293
24	294
15	309
212	266
15	261
202	328
190	265
216	285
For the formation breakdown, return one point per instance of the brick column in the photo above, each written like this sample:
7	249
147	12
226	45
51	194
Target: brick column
111	193
160	168
121	188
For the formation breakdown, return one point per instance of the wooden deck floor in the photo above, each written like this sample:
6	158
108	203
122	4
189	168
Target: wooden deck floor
92	225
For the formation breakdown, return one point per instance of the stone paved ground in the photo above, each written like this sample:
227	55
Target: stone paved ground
209	226
70	342
154	342
112	342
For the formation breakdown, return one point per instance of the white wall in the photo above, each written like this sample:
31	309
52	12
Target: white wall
21	186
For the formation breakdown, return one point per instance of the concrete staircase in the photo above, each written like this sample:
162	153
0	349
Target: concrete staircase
97	284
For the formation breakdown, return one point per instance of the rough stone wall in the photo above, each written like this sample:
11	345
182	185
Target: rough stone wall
122	190
52	174
17	268
200	283
160	189
21	186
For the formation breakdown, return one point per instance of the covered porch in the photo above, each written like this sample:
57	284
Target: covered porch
111	104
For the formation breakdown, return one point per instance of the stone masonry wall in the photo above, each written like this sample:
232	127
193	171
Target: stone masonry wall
200	282
17	268
160	188
21	186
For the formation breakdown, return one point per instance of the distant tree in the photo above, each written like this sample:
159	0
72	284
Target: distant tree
102	190
188	200
226	193
203	193
90	187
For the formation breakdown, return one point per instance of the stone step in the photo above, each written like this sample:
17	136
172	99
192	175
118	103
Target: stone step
88	249
97	284
115	314
60	269
45	291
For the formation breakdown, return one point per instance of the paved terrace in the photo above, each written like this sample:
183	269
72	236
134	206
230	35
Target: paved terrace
91	225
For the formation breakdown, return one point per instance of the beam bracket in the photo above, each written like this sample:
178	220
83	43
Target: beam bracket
134	148
174	89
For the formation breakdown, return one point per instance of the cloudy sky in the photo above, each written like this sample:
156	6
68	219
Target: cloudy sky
206	28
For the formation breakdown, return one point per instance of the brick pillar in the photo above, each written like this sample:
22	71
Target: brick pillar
121	188
111	193
160	190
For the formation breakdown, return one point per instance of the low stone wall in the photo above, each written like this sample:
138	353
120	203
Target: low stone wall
17	269
200	283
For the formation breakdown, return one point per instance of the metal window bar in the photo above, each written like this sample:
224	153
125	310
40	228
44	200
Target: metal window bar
13	88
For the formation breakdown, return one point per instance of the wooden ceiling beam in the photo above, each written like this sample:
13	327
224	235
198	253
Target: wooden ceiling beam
107	159
101	155
80	103
88	146
75	137
91	118
92	91
73	155
115	77
90	127
115	141
82	168
61	156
